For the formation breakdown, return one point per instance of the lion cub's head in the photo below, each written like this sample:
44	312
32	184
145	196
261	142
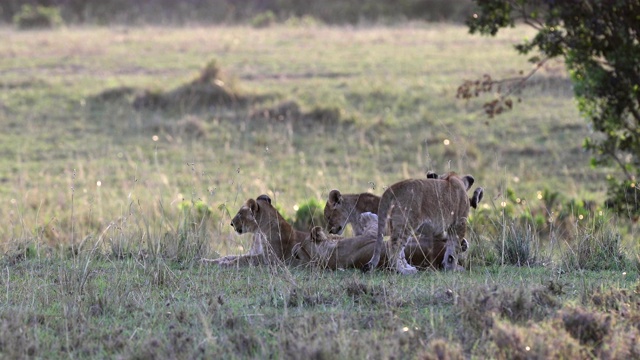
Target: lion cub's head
245	219
313	248
336	212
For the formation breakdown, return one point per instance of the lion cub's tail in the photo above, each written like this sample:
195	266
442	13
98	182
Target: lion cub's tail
384	209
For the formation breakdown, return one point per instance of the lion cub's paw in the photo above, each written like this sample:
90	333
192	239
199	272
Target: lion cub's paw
407	270
367	267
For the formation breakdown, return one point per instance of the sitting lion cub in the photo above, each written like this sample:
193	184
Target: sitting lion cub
426	249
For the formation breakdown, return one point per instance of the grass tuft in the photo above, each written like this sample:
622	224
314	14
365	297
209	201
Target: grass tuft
596	247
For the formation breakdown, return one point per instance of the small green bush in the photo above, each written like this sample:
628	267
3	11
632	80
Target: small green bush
263	20
482	252
596	247
32	17
518	246
309	214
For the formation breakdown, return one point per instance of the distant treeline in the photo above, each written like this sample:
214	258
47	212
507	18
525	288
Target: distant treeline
239	11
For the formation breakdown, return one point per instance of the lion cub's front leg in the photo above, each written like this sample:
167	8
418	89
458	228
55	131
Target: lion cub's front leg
256	255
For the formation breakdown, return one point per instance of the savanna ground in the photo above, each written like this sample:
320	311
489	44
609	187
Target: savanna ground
117	176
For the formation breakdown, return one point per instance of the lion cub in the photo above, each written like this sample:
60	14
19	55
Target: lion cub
407	204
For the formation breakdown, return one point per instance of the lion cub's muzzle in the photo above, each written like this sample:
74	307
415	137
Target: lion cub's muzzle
237	228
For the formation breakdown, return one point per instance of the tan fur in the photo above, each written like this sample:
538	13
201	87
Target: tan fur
424	250
343	209
274	238
409	203
335	252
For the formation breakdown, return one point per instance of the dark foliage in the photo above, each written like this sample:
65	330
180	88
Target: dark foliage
598	41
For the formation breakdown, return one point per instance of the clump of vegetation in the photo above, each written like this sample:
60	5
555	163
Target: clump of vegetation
290	111
122	93
482	252
190	240
151	99
263	20
596	247
480	304
518	245
309	214
548	213
283	111
538	341
37	17
439	349
302	21
327	116
19	251
586	326
192	127
207	90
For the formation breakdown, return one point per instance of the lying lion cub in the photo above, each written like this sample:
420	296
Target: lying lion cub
273	238
426	249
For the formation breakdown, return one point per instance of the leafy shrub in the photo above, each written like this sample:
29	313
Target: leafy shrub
482	252
263	20
189	240
624	198
309	214
31	17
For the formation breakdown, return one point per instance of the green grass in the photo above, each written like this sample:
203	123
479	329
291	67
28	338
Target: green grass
103	204
151	308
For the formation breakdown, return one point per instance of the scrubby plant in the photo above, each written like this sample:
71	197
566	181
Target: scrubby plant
595	247
518	246
309	214
31	17
263	20
190	240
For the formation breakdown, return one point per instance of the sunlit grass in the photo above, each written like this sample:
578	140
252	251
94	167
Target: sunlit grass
106	209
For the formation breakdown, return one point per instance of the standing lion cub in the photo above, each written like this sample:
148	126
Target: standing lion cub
408	203
342	209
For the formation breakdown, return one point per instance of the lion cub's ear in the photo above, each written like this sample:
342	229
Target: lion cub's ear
431	175
317	234
468	181
335	197
265	198
477	196
253	205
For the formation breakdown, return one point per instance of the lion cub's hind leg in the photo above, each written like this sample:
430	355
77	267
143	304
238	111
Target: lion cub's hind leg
398	261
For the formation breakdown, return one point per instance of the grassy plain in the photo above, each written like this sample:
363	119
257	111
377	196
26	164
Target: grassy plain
125	187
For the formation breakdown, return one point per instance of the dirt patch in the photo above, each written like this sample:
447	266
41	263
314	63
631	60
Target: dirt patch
290	111
208	89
